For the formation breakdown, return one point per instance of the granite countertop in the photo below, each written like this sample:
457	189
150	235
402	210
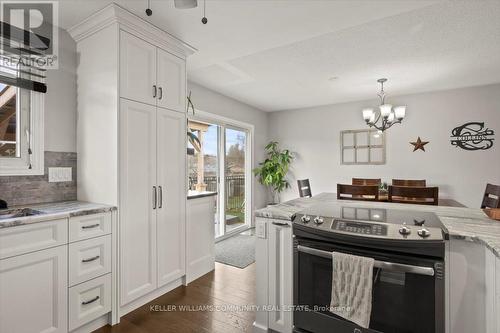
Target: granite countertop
56	210
464	223
200	194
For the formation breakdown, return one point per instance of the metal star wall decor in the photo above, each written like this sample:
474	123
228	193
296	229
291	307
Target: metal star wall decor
419	144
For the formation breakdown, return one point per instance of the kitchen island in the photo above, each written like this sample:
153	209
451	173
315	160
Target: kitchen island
472	268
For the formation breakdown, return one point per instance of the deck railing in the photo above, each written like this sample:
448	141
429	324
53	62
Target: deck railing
234	188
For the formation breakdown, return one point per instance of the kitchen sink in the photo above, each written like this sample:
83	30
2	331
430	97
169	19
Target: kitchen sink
13	213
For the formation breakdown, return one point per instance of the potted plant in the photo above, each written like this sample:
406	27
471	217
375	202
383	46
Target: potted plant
273	171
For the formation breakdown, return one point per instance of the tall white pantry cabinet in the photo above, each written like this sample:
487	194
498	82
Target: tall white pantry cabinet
131	143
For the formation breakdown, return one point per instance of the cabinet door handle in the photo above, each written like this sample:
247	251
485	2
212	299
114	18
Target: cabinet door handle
160	190
91	226
154	197
91	259
90	300
154	90
161	93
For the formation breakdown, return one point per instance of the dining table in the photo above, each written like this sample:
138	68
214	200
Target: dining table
383	196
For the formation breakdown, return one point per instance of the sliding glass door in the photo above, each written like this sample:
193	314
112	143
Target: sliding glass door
235	169
218	161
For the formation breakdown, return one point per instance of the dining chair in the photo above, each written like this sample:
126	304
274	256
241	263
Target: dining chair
304	188
414	195
491	198
366	181
357	192
409	182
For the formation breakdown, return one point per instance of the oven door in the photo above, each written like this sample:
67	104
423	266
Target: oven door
407	296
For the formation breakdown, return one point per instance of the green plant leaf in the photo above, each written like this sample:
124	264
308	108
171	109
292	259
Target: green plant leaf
273	170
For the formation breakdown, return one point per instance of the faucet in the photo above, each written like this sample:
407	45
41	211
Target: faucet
3	204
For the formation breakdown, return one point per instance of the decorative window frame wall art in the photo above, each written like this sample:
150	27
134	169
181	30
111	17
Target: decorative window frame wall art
362	147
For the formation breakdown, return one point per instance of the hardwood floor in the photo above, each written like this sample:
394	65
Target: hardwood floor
214	304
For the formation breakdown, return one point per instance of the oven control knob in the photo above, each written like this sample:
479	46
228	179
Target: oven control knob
424	233
318	220
404	230
305	219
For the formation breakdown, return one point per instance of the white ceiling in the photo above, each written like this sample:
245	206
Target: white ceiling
282	54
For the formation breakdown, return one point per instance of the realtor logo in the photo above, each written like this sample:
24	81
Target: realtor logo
29	32
472	136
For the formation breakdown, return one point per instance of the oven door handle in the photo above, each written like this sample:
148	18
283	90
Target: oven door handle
390	266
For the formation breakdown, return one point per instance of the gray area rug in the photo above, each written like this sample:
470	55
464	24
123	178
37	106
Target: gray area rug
237	251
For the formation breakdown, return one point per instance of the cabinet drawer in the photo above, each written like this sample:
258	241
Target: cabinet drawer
89	226
89	301
32	237
89	259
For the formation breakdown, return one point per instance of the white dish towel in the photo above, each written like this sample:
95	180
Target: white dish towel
352	288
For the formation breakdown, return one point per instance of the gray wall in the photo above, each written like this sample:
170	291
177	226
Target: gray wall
314	135
60	100
213	102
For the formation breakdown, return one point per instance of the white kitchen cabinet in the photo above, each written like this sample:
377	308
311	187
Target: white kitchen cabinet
89	259
171	81
467	287
33	289
280	280
200	234
149	74
474	292
89	226
153	196
490	291
89	300
32	237
170	213
137	200
131	146
137	69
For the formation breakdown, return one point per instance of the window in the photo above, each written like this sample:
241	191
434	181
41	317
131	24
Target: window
22	87
21	131
362	147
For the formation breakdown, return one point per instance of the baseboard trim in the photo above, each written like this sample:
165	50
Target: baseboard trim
94	324
151	296
257	328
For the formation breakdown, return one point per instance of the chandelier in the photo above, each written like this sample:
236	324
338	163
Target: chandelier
386	115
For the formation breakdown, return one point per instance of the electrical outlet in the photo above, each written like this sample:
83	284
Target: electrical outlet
260	229
60	174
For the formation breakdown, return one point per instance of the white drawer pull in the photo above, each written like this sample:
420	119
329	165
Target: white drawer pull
91	259
91	226
90	301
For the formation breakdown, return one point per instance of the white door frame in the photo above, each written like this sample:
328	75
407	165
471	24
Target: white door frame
208	117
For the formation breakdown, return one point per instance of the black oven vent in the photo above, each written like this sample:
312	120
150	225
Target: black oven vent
439	270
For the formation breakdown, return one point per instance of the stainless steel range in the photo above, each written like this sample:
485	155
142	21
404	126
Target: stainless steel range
408	248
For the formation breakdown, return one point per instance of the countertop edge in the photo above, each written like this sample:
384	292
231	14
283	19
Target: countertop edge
202	195
55	211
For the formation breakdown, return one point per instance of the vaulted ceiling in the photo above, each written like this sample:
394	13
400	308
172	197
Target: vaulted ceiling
285	54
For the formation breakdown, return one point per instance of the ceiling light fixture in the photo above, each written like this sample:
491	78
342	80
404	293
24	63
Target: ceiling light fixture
386	113
185	4
149	12
204	20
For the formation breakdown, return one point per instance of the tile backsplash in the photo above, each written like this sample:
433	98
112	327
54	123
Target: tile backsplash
25	190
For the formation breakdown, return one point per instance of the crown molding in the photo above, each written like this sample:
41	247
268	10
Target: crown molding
115	14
